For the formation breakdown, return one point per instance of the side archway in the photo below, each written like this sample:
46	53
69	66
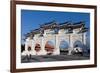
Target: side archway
49	47
78	44
64	45
78	48
37	47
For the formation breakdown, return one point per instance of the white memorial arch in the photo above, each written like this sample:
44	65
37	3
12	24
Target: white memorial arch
71	33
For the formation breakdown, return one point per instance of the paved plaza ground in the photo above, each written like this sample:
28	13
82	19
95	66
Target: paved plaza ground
49	58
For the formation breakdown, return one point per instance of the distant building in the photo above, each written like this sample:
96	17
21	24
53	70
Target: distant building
69	32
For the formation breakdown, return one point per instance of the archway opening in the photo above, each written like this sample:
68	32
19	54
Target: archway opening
78	48
63	47
29	48
78	44
37	47
49	47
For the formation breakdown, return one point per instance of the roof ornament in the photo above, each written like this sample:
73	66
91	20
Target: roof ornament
57	26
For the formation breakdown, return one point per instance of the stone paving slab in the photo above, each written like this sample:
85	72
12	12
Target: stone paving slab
49	58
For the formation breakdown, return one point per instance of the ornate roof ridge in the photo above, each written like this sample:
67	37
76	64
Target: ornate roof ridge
50	25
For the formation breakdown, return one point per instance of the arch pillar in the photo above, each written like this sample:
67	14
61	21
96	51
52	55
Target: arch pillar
84	38
26	43
33	46
43	41
57	49
70	45
29	43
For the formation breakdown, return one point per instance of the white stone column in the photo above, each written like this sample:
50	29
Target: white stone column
72	40
26	43
33	44
57	49
33	47
29	42
70	44
43	52
84	39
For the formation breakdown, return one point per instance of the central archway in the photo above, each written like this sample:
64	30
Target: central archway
49	47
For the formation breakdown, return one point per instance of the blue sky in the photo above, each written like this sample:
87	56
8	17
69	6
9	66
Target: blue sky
31	19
